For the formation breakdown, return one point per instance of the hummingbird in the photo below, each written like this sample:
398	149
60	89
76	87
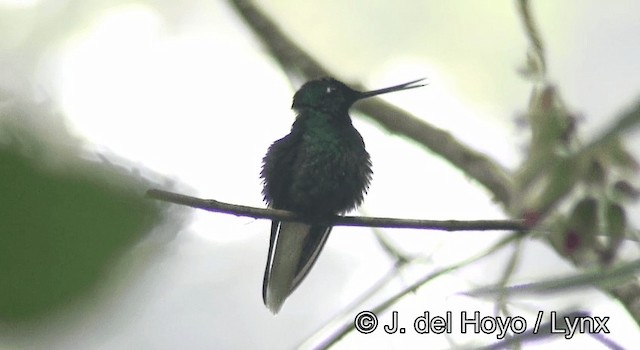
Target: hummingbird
319	170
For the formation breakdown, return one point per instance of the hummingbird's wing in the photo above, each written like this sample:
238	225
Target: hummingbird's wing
293	249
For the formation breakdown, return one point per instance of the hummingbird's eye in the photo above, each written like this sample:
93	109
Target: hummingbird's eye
330	89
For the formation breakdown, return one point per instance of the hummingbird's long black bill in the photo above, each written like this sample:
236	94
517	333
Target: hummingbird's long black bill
405	86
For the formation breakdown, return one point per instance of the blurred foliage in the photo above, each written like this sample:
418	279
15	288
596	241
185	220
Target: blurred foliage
594	181
63	220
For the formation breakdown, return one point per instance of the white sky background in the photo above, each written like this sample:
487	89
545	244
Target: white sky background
184	89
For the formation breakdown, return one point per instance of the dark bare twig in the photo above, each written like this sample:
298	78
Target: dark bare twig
359	221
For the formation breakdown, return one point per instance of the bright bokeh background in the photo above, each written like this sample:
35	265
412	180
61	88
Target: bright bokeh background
184	89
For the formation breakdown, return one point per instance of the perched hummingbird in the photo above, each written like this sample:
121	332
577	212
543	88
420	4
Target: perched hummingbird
321	169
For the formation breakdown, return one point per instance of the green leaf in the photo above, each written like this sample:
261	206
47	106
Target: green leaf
616	226
61	227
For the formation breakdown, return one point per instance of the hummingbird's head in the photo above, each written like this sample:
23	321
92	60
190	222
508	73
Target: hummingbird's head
326	94
331	96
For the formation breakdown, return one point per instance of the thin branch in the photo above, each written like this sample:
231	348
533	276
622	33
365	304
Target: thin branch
626	122
386	304
533	34
559	322
346	315
604	279
357	221
510	268
293	59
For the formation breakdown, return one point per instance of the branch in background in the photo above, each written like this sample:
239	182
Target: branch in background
293	59
274	214
516	341
536	51
289	56
596	278
390	301
626	122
